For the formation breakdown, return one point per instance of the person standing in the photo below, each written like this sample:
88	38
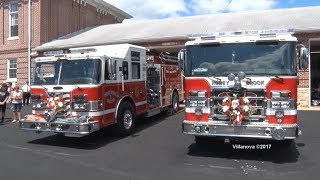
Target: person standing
16	100
4	96
26	93
9	88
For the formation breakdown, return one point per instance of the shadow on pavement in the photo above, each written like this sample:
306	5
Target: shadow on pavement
278	153
100	138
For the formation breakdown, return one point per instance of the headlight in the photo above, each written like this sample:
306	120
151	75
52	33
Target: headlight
201	94
281	104
38	104
80	98
193	103
36	97
197	103
281	94
79	106
202	103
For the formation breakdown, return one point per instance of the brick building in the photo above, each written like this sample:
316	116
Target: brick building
50	19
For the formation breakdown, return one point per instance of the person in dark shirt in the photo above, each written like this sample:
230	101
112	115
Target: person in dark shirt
4	95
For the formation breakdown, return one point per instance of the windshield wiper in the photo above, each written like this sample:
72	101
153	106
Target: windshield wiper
277	78
46	89
78	87
212	76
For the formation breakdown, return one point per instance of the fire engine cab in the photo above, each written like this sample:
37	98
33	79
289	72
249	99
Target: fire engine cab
242	85
85	89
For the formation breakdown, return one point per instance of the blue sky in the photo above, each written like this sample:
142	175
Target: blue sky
297	3
159	9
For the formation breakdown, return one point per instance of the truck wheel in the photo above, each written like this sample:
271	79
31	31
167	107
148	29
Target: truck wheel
175	102
125	119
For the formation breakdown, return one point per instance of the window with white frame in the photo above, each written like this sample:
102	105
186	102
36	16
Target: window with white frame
135	64
12	69
13	18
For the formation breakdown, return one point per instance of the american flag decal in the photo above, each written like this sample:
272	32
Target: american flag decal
59	104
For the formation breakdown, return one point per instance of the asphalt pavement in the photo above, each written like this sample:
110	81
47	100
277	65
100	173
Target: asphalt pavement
156	150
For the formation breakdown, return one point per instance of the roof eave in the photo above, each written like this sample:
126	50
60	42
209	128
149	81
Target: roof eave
133	41
109	8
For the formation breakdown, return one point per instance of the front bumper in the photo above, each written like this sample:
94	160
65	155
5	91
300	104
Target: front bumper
68	129
248	130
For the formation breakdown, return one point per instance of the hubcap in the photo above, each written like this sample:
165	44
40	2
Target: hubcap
127	119
175	103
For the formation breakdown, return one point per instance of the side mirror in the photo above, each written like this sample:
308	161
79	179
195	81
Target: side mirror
181	58
303	58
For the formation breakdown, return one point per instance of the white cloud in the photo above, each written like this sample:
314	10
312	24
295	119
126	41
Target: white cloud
150	9
208	6
157	9
244	5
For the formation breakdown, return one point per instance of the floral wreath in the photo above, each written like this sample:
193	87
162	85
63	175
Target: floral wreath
57	105
236	108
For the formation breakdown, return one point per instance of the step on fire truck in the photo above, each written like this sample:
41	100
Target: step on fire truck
242	85
86	89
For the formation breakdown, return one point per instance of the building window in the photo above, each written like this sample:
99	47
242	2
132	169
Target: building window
12	69
13	19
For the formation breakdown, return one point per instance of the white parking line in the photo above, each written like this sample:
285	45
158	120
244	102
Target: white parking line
222	167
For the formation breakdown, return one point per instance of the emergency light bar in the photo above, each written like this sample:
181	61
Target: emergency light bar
82	50
261	33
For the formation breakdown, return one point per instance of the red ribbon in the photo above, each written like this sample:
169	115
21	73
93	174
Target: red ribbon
235	116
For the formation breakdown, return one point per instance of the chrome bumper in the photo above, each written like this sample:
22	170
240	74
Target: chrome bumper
249	130
68	129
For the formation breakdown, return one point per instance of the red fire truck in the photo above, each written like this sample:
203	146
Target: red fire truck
85	89
242	85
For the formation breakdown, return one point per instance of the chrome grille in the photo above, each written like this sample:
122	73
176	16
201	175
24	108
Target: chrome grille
257	100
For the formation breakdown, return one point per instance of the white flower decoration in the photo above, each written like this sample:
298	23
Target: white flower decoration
56	98
246	108
60	104
52	103
235	103
246	100
225	108
225	99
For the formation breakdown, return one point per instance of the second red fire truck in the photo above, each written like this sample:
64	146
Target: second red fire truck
242	85
85	89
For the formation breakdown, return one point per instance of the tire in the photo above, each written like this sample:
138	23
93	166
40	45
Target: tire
125	119
175	102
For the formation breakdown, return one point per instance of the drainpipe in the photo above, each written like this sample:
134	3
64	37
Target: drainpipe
29	41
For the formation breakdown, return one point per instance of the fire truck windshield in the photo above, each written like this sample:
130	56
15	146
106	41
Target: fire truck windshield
263	58
64	72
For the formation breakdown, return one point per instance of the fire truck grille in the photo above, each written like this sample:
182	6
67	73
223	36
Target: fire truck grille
256	98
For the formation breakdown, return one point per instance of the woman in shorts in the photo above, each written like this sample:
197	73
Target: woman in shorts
16	100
